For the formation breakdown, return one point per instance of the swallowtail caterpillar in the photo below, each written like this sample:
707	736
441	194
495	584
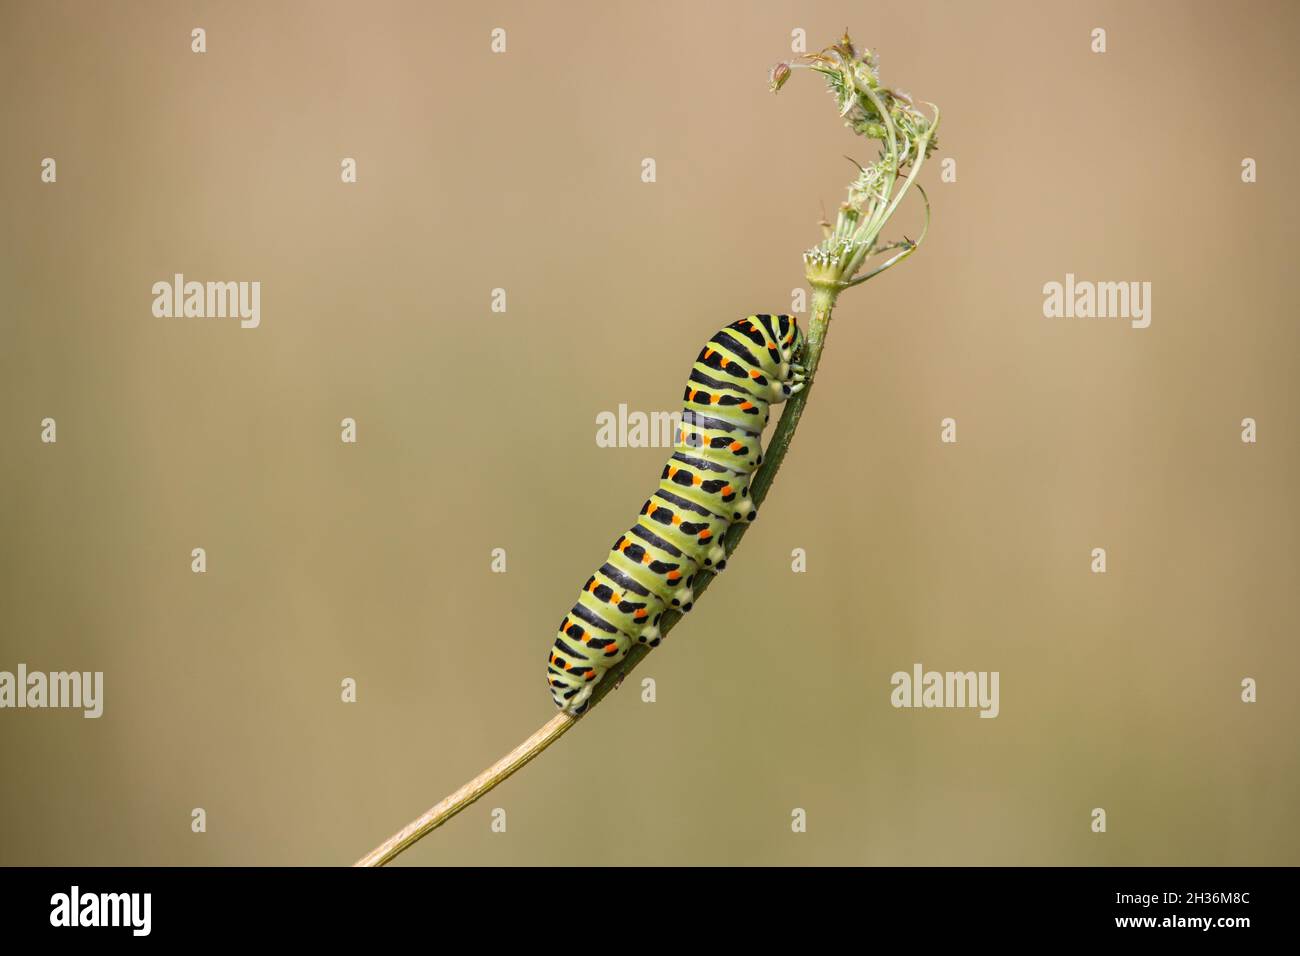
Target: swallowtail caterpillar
740	373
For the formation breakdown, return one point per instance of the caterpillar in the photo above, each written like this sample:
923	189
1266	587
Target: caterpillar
740	373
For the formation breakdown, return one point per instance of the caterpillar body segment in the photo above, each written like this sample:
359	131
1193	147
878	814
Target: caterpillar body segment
742	371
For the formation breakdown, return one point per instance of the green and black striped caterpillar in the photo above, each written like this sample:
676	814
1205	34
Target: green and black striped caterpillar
742	371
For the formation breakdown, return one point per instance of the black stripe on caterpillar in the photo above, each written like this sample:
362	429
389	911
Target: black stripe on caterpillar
739	374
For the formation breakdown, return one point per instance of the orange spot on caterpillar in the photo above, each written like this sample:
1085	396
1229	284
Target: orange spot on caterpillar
706	534
696	479
736	446
674	575
726	490
746	406
753	373
677	519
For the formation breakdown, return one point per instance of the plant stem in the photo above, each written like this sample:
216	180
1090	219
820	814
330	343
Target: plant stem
560	724
877	113
443	811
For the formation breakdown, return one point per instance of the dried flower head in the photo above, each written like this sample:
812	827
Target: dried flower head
906	137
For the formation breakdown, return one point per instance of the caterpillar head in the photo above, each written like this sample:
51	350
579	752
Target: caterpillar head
788	339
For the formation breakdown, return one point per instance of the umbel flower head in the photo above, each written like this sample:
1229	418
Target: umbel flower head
906	137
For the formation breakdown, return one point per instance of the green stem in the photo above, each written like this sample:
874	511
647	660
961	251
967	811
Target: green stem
830	269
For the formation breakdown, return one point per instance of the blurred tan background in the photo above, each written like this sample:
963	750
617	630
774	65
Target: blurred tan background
476	431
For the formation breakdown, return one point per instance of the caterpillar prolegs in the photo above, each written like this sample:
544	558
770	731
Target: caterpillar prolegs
742	371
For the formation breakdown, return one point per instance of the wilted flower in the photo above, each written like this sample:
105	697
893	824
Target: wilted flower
780	73
906	137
